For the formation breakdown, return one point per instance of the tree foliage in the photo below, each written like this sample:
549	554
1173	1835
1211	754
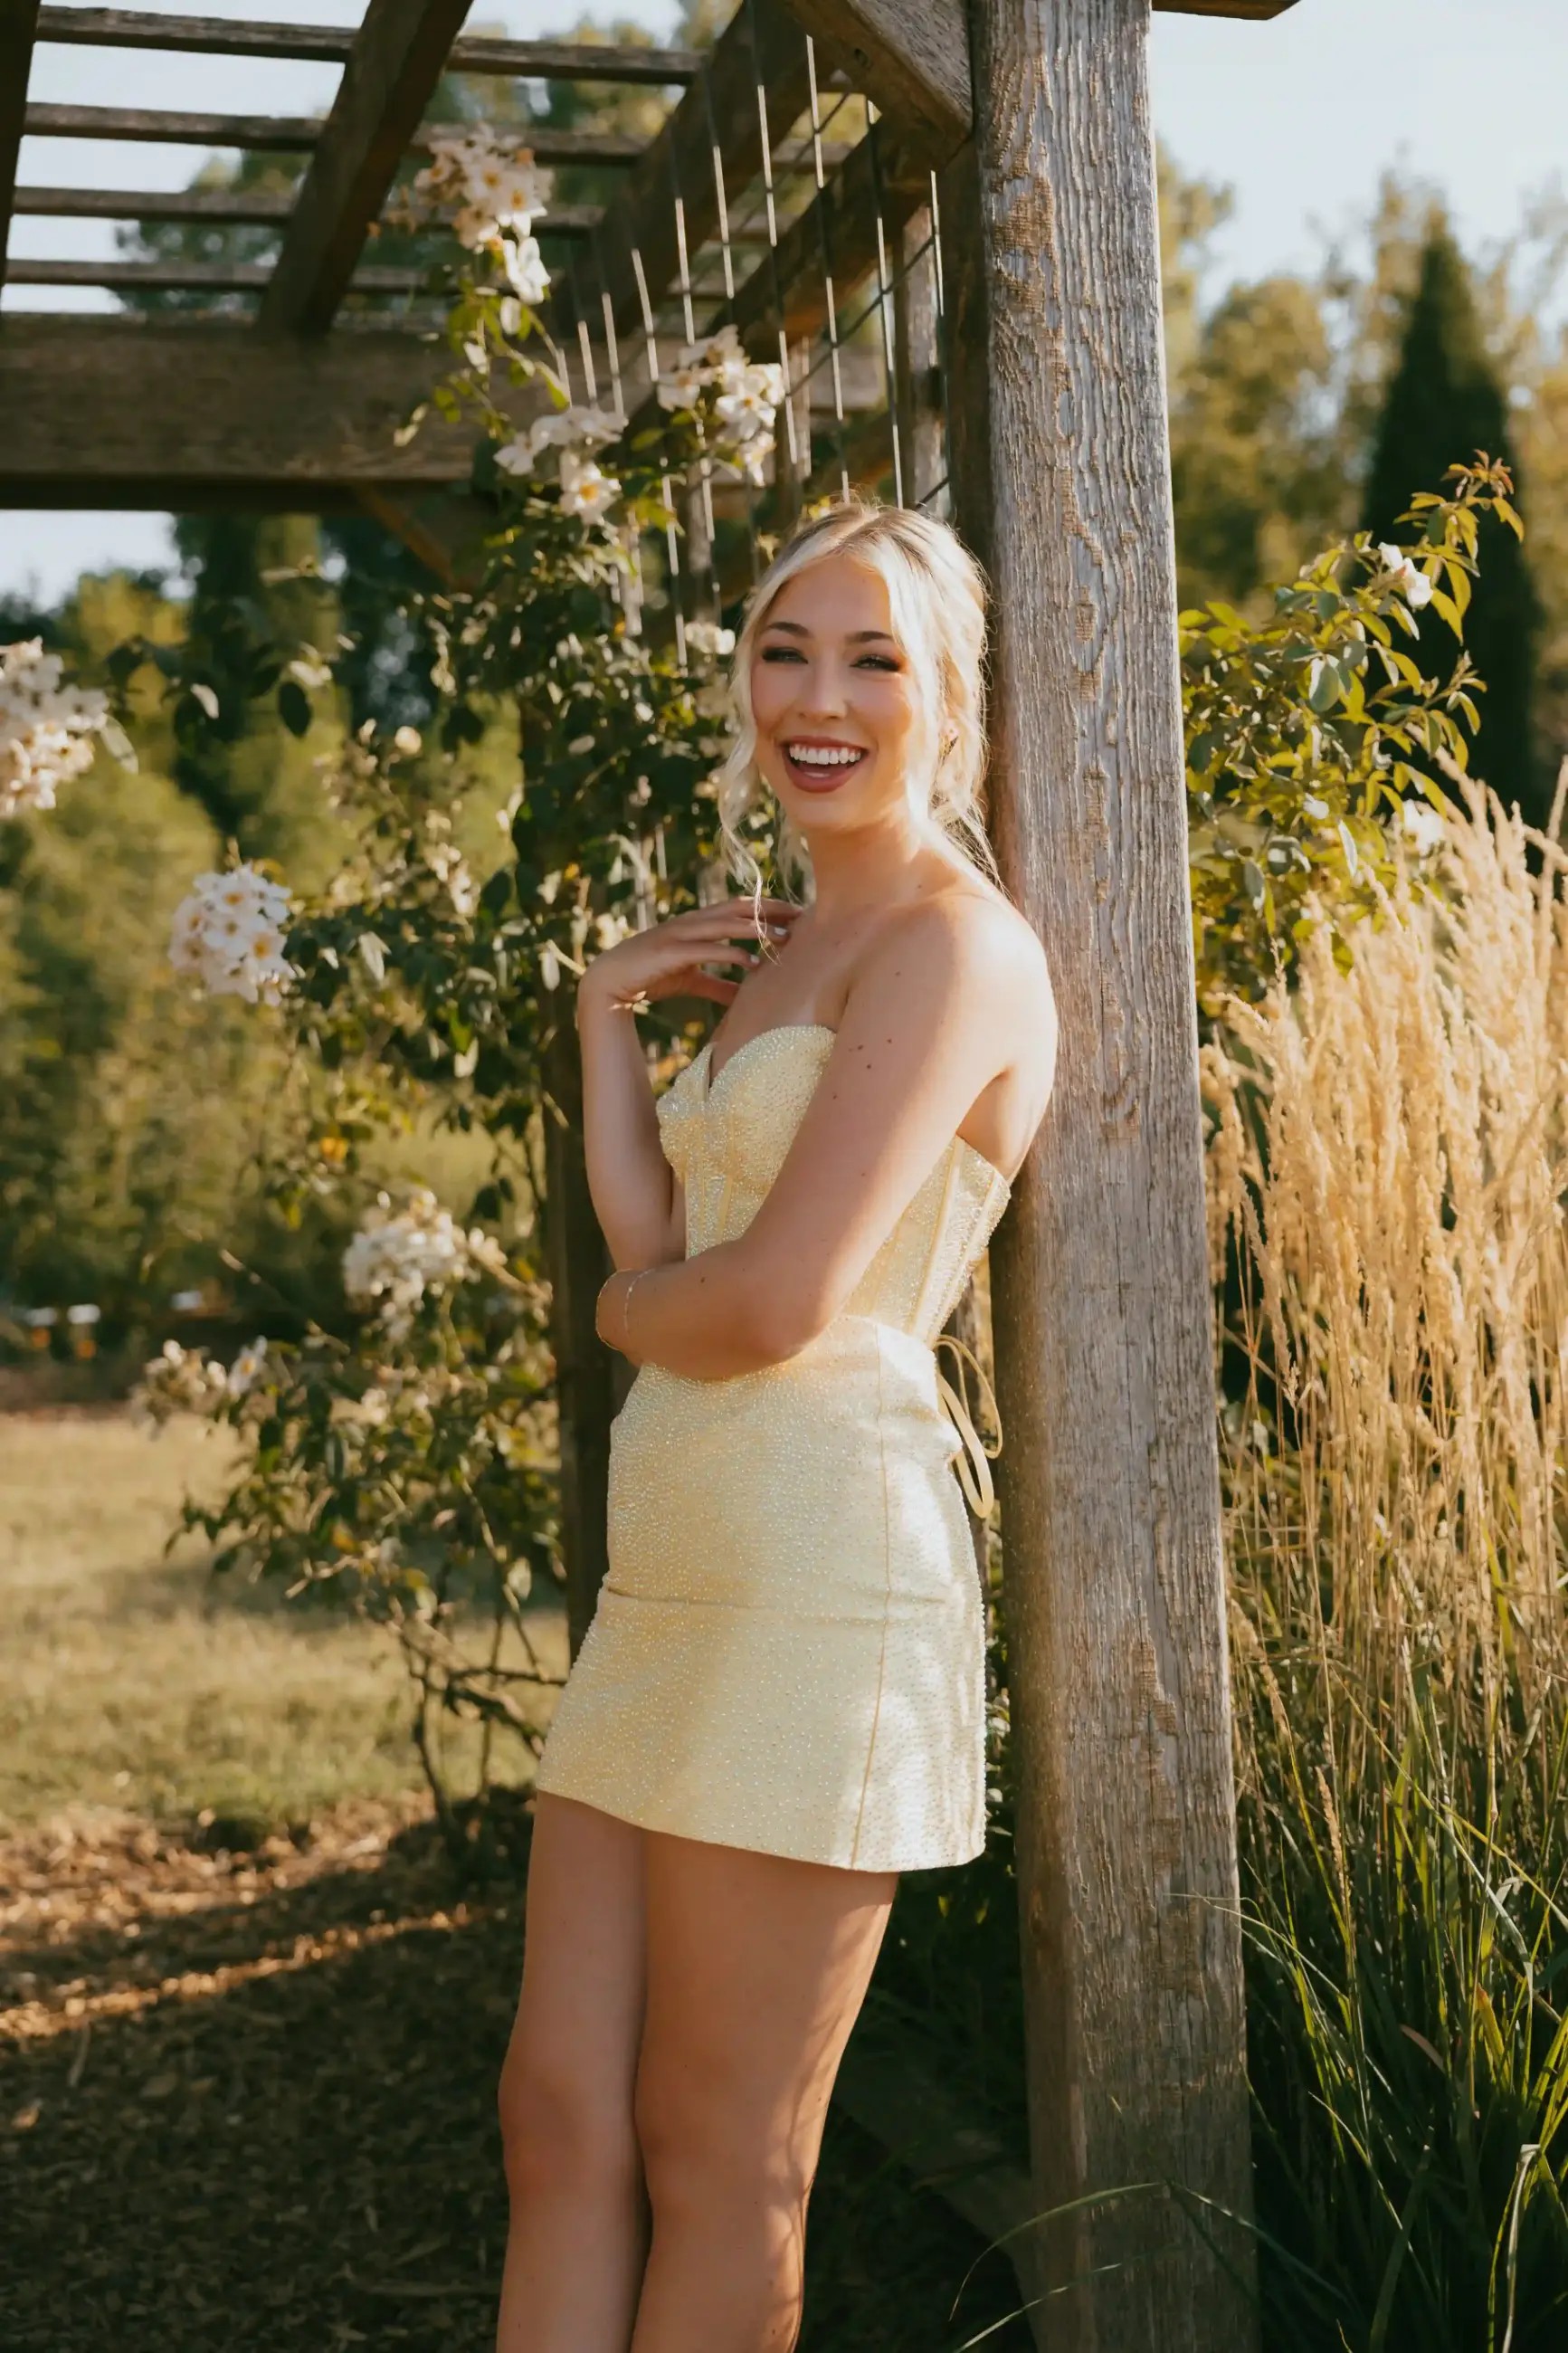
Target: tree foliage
1444	401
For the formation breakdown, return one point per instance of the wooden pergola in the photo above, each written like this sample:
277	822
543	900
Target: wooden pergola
1004	211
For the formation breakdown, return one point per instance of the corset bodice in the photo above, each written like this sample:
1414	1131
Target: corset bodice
727	1140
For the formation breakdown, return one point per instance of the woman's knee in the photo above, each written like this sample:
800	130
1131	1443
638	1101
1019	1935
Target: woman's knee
700	2159
561	2132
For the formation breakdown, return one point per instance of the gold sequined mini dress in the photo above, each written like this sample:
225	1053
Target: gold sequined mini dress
788	1653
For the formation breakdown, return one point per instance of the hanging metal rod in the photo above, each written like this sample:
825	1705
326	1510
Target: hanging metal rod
124	28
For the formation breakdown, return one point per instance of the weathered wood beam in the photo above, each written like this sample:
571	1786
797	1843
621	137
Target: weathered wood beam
193	277
910	57
391	74
124	29
1257	11
1115	1594
289	134
169	413
672	201
18	24
259	207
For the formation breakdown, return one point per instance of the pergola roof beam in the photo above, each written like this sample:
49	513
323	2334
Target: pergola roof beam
18	24
388	81
911	58
291	134
123	28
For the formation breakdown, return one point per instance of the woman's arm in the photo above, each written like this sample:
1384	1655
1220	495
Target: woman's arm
638	1204
945	1004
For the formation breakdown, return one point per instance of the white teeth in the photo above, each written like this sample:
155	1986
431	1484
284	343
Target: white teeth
820	756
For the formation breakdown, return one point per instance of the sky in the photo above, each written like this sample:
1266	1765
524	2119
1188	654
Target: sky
1301	117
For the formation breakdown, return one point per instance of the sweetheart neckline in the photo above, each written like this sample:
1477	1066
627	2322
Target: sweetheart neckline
712	1080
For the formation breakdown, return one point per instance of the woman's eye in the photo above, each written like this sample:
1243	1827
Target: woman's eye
877	662
783	654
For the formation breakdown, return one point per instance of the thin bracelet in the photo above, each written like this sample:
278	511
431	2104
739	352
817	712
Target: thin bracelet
626	1310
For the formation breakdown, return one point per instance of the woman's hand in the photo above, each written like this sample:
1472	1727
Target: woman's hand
670	959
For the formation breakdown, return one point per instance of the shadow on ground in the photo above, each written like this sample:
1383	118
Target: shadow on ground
247	2102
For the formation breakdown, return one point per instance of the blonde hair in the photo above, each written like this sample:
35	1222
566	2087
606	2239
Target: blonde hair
936	594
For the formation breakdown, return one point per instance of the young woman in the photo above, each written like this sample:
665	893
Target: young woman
780	1704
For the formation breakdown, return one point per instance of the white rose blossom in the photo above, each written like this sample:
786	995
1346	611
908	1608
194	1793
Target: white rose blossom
493	191
1405	578
179	1380
709	641
400	1257
46	727
228	934
746	397
585	492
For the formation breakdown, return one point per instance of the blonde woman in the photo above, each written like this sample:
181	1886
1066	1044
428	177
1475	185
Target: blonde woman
779	1706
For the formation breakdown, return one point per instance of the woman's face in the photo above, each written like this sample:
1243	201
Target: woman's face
836	710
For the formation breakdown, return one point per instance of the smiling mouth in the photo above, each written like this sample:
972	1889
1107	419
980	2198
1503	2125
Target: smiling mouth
820	767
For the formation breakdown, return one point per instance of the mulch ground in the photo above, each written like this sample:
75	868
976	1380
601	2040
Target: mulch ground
247	2101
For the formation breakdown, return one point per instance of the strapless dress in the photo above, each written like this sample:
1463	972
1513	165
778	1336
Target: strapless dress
788	1653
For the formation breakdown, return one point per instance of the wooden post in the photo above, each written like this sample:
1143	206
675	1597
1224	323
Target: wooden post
1114	1598
584	1378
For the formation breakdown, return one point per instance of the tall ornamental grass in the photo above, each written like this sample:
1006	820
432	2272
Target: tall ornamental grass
1388	1165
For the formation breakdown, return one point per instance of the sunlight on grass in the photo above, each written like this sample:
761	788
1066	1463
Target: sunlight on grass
136	1680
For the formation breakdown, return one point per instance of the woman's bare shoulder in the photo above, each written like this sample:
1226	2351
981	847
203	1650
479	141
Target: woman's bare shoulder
982	944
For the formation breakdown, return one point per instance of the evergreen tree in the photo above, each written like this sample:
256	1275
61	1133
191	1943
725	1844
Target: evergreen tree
1443	403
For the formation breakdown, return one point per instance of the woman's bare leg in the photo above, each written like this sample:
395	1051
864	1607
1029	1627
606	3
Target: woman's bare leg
756	1969
574	2254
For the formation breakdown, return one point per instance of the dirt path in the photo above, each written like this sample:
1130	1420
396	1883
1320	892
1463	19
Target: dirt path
247	2102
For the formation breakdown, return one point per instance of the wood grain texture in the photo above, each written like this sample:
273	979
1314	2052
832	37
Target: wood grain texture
910	57
136	28
19	24
392	71
1115	1597
123	412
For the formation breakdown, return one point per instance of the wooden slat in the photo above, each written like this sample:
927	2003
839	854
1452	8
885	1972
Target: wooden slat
1256	12
289	134
253	205
18	22
258	206
191	277
762	44
123	28
388	81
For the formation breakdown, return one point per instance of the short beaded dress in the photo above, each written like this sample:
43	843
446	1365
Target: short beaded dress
788	1653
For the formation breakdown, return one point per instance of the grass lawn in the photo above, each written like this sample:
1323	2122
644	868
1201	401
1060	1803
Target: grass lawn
137	1680
248	2064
